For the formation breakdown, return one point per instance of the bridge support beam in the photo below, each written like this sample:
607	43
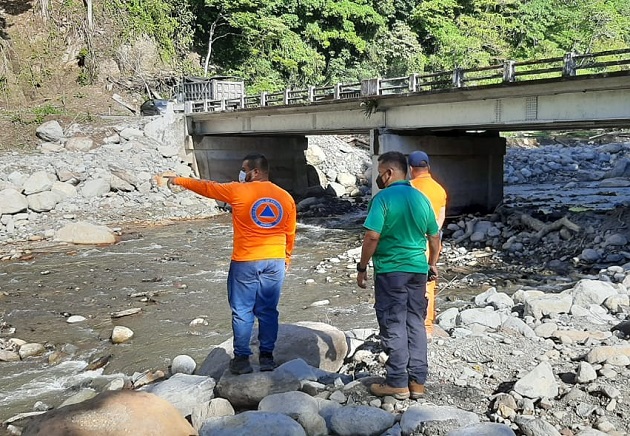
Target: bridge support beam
219	158
468	165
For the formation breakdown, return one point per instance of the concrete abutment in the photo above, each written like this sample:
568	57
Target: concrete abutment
468	165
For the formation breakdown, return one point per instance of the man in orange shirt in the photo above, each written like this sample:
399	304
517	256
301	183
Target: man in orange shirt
264	221
421	179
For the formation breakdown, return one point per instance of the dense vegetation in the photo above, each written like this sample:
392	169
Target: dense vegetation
278	43
274	44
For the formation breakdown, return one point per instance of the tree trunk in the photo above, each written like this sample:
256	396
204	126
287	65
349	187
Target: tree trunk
213	27
88	4
44	9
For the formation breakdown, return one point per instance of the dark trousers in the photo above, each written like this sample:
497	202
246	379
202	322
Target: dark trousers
401	306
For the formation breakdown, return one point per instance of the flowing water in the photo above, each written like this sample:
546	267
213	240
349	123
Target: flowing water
174	273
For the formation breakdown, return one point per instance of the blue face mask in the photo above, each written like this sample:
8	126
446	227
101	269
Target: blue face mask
242	176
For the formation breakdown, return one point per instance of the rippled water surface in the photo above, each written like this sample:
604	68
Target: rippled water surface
174	273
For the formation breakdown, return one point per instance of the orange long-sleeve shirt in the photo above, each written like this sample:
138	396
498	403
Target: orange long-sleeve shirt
263	216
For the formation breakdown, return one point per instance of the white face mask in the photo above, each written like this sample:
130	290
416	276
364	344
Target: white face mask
242	176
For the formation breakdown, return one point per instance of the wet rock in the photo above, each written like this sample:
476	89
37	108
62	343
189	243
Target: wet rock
75	319
113	412
252	422
30	350
121	334
9	356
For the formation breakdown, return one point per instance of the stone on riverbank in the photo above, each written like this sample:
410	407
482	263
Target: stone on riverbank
85	233
113	413
252	423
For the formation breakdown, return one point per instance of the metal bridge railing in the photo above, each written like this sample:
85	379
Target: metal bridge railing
568	66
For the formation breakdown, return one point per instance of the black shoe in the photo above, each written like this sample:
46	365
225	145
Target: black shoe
240	365
266	362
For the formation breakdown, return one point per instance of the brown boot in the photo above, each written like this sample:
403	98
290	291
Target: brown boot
416	390
383	389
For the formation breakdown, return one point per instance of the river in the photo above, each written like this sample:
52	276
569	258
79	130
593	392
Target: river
174	273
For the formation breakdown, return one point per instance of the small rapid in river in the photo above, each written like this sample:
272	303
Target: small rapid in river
175	273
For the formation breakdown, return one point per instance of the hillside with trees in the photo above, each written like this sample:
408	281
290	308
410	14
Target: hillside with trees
68	57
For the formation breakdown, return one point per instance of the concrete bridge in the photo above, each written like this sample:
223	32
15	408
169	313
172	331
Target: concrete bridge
454	116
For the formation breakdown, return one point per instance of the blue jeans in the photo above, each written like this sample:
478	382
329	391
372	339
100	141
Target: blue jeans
254	291
401	306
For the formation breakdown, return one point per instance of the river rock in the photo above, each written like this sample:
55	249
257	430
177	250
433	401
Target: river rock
538	383
587	292
252	423
12	202
75	319
247	390
9	356
39	181
548	304
43	201
360	420
319	344
79	143
95	188
585	373
121	334
50	131
314	154
336	189
603	353
417	416
113	413
184	391
535	427
85	233
299	406
214	408
486	317
64	190
183	364
483	429
30	350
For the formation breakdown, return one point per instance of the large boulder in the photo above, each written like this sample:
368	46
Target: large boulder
252	423
318	344
184	391
50	131
247	390
113	413
85	233
12	202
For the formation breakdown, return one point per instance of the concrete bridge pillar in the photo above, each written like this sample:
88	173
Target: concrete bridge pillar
468	165
219	158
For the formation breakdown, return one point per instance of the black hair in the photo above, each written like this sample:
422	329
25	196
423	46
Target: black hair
258	161
395	159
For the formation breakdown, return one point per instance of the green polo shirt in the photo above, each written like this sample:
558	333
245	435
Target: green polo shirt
403	216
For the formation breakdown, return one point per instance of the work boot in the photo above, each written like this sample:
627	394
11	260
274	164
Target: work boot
416	389
240	365
383	389
266	362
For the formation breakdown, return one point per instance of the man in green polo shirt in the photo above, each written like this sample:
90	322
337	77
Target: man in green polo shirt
399	222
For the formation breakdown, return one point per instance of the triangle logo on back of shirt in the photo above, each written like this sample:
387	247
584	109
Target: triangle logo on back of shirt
267	213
